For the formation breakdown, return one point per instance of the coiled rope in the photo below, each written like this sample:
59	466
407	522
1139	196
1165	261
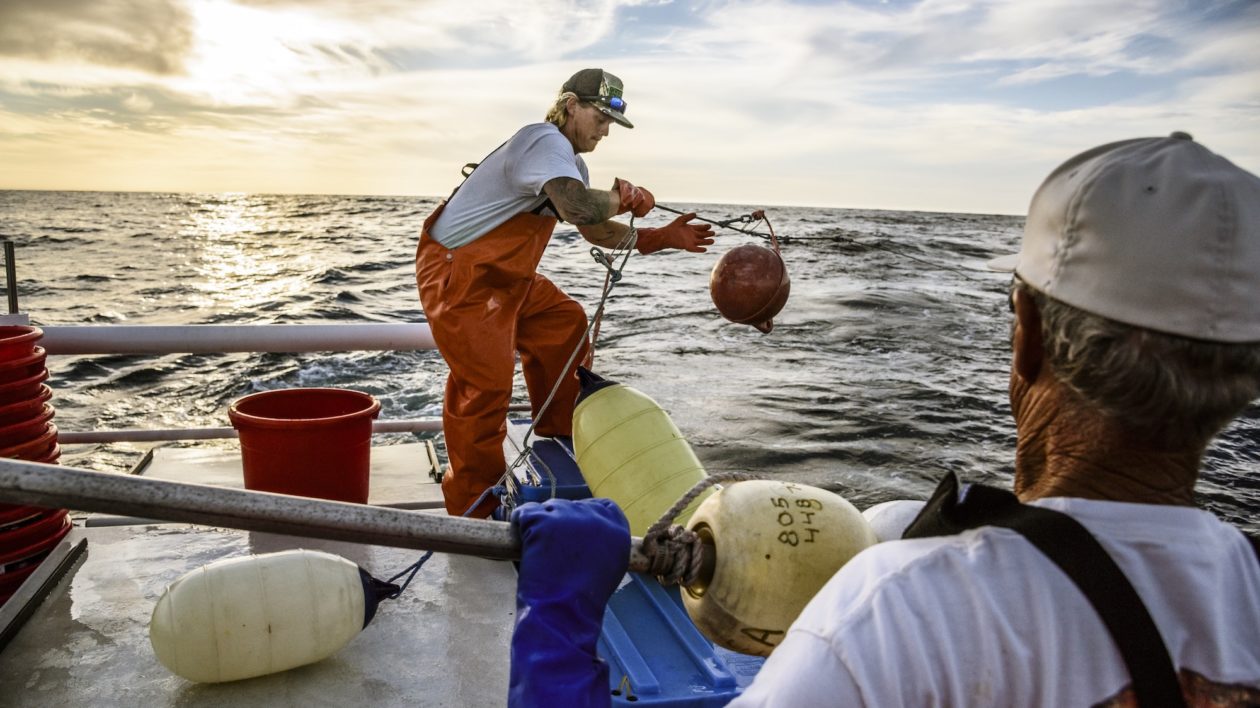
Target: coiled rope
674	553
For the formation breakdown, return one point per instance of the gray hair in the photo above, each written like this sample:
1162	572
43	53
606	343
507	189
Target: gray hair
1167	389
559	113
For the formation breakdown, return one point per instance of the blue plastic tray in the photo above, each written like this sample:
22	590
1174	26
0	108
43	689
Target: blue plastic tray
657	657
554	455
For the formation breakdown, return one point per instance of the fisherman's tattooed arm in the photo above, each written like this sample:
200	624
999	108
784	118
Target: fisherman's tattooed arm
580	205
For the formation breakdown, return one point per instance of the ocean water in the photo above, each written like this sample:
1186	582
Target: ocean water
887	368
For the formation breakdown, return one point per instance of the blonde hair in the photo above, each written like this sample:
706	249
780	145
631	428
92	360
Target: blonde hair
559	113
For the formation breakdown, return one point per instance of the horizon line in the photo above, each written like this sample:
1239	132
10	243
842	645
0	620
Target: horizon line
438	198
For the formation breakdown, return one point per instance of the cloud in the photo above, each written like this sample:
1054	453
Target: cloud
947	104
453	33
150	35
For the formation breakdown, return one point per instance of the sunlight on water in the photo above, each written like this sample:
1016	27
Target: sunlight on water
240	263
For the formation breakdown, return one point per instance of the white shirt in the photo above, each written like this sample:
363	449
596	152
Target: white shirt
508	182
984	619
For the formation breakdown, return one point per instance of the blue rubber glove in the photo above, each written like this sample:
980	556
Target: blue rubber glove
573	556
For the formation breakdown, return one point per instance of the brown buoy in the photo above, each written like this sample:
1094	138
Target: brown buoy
750	284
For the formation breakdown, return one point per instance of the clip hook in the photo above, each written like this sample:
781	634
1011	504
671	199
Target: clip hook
602	259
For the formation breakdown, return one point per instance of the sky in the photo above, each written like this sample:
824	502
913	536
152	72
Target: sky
934	105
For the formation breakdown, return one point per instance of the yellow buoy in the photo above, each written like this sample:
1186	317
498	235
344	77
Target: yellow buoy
775	544
629	450
243	617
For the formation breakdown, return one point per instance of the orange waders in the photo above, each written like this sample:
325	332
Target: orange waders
485	302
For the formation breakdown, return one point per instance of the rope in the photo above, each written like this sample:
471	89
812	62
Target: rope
674	553
527	450
411	570
611	278
759	216
755	216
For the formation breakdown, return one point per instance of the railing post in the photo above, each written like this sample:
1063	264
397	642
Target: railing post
10	277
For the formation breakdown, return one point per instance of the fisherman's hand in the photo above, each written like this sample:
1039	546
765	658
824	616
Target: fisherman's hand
636	200
572	546
573	556
677	234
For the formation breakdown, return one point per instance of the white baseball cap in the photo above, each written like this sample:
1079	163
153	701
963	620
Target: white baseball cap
1160	233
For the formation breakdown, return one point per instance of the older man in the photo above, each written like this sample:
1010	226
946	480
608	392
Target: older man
476	268
1136	338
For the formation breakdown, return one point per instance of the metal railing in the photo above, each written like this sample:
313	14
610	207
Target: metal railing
205	339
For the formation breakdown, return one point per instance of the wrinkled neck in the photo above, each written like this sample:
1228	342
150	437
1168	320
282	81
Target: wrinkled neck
1067	449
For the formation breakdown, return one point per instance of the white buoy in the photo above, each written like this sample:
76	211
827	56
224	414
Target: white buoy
890	519
775	544
243	617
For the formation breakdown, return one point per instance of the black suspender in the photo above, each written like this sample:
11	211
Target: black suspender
1079	555
470	167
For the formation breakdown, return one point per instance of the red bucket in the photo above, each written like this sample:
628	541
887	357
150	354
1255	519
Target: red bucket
14	515
24	410
35	449
51	456
15	558
24	430
17	341
310	442
16	566
23	367
23	390
40	528
10	582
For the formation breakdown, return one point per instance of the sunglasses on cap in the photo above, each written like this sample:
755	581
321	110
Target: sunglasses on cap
616	103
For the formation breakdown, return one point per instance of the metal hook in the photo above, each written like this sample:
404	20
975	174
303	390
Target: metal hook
602	259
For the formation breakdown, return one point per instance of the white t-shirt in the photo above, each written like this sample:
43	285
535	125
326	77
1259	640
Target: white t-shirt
508	182
985	619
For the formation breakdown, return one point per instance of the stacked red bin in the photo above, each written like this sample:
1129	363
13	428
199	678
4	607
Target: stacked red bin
27	533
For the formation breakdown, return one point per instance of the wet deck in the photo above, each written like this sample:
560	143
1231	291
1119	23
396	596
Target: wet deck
443	643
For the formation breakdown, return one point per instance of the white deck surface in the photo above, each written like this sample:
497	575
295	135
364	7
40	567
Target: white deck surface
443	643
399	473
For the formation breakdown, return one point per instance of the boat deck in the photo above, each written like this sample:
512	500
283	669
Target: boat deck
401	475
443	643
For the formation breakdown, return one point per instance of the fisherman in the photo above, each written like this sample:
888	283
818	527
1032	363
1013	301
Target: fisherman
476	268
1135	339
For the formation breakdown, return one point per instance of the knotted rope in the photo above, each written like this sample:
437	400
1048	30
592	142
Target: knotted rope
674	553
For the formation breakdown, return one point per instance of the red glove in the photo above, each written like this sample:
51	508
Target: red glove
678	234
636	200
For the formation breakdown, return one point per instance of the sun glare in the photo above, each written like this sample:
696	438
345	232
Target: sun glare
247	55
239	267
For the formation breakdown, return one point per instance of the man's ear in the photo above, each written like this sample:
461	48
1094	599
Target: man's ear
1027	346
